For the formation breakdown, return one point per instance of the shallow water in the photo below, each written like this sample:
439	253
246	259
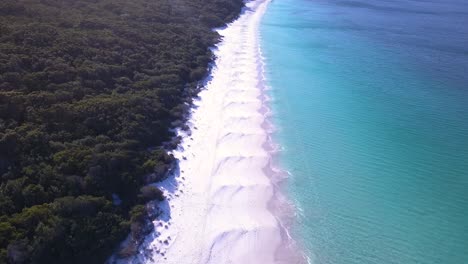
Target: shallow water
371	99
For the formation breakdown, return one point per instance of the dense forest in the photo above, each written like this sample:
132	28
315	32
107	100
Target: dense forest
90	94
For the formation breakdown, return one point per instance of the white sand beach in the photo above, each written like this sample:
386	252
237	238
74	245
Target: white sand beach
221	199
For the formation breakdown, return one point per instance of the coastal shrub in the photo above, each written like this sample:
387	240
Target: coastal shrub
149	193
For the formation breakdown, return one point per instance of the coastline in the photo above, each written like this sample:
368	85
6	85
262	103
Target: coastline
224	203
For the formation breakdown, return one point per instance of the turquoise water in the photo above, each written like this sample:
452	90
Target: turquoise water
371	102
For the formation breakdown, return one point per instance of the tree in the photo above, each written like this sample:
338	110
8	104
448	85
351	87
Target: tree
90	95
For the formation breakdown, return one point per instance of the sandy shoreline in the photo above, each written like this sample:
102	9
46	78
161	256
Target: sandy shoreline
223	203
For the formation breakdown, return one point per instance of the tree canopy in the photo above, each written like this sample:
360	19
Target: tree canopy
90	90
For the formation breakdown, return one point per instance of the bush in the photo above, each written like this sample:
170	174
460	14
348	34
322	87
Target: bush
149	193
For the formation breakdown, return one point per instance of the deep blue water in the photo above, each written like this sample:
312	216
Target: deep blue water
371	101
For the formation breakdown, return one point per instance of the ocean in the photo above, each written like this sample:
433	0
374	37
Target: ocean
370	101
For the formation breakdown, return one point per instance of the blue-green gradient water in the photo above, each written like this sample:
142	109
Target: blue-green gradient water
371	102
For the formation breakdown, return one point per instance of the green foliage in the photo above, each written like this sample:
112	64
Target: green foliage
90	92
149	193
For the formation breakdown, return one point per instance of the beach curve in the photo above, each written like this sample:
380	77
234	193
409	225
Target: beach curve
222	200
